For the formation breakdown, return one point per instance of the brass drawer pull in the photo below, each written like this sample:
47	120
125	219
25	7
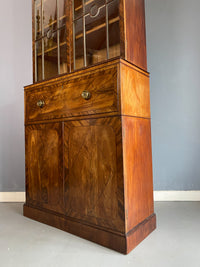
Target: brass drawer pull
86	95
41	103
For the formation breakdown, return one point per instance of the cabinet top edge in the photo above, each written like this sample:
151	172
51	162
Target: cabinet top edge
87	70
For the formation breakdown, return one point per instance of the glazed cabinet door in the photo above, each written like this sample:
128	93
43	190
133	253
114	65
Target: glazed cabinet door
96	31
49	38
93	172
44	175
71	34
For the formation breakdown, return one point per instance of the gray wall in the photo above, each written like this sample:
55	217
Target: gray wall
173	44
15	72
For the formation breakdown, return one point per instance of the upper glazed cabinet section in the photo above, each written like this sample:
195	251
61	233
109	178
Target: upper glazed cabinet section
50	47
69	35
96	34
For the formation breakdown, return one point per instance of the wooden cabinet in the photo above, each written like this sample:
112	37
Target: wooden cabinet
88	134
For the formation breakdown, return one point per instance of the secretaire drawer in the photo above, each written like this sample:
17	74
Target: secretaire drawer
92	93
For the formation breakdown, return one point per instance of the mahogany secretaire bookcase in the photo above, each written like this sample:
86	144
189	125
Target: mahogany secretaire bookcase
87	121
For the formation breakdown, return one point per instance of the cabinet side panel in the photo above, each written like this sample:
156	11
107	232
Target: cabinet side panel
135	33
135	93
137	170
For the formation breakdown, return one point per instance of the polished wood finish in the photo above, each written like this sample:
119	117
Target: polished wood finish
88	131
93	167
137	170
135	94
44	181
122	29
93	156
109	239
117	87
63	99
140	232
69	37
135	33
122	243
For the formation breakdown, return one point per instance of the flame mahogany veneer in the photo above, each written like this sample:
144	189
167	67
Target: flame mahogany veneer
89	161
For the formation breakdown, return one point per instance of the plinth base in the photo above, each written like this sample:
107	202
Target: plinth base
120	242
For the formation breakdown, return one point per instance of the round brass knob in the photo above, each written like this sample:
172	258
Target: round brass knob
86	95
41	103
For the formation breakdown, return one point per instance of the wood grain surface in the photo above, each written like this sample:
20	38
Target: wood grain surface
69	37
100	236
135	93
89	162
138	182
122	243
93	172
44	181
63	99
140	232
117	88
135	33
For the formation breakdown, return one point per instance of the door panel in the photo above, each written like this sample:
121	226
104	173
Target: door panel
44	182
93	171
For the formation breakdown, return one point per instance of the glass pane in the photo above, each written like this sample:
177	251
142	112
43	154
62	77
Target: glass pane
50	56
62	8
38	50
92	7
50	41
62	22
38	31
100	37
96	35
63	51
50	64
79	51
78	9
50	24
49	14
114	32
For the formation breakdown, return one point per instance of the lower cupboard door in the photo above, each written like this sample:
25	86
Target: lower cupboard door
44	175
93	185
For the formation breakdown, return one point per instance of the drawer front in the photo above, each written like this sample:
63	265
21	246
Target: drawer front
69	97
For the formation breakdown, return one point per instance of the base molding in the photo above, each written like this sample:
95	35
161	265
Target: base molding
140	232
120	242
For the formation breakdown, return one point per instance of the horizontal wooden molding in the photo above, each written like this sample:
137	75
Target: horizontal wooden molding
158	196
